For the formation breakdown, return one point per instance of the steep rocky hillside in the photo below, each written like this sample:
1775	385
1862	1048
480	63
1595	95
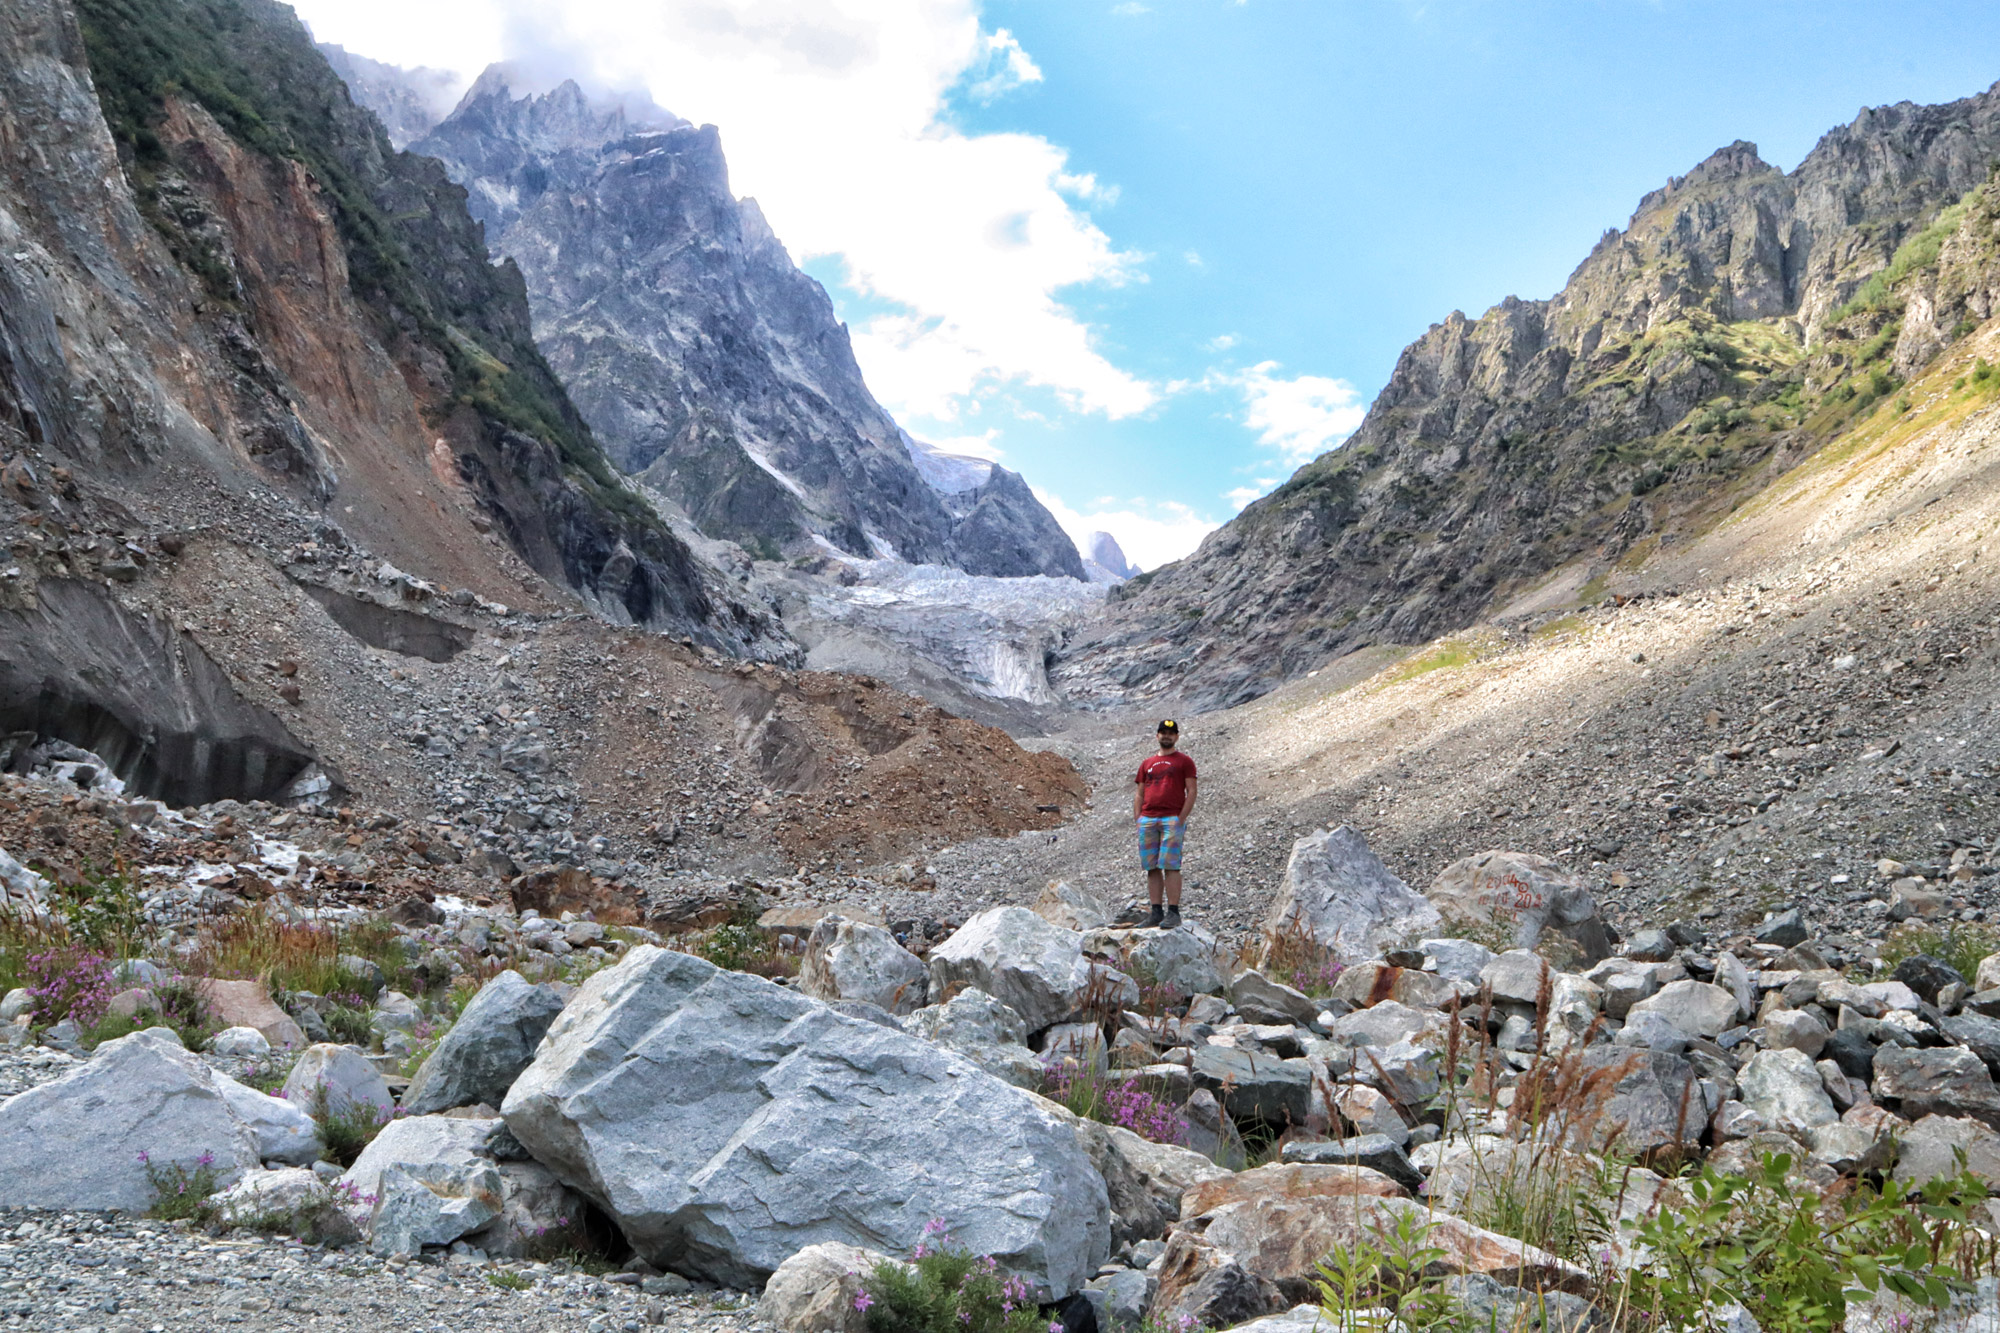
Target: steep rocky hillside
709	365
1729	330
226	274
289	496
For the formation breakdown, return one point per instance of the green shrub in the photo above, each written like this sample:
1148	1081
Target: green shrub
180	1192
176	1004
1918	252
103	913
1385	1281
948	1289
349	1019
1794	1259
510	1281
1961	945
344	1133
1982	371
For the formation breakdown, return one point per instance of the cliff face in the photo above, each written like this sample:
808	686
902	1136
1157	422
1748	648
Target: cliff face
1671	372
709	365
232	300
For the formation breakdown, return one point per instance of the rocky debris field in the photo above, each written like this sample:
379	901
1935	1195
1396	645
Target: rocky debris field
610	1134
1794	710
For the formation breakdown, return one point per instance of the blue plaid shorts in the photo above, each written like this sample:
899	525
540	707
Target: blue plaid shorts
1160	841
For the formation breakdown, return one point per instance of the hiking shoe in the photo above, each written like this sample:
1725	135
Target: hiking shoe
1173	918
1153	917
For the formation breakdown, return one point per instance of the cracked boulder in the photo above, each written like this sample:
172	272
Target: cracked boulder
725	1123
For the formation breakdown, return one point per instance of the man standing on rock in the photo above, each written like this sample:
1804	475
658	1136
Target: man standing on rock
1161	803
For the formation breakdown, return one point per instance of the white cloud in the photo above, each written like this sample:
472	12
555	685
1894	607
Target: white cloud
1001	67
836	116
1150	532
1129	9
1240	496
1301	417
1222	342
1193	258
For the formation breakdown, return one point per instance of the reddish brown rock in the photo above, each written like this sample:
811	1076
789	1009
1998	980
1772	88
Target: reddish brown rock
246	1004
1289	1180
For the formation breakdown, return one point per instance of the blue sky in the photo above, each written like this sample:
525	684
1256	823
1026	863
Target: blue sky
1154	254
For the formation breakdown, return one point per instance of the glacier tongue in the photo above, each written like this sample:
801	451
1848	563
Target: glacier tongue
993	634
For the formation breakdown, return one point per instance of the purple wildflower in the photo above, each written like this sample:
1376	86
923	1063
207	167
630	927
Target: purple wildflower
862	1300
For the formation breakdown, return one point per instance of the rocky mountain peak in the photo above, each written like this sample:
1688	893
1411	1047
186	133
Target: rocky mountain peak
708	364
1733	162
1105	560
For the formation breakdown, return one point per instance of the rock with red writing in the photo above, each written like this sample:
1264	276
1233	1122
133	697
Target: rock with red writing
1528	902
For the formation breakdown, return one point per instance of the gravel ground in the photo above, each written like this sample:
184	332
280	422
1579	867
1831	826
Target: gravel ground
87	1271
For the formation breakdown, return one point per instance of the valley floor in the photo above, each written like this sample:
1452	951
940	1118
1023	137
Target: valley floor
1762	718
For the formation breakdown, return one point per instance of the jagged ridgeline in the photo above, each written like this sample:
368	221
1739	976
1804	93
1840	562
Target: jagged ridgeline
1742	321
418	263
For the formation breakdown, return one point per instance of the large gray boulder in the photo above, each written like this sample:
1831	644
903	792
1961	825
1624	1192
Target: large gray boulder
346	1077
1695	1008
1942	1080
852	960
83	1142
1032	966
1655	1101
1931	1147
1526	896
487	1048
420	1140
432	1205
984	1031
1183	959
1341	894
1784	1087
726	1123
284	1132
1256	1086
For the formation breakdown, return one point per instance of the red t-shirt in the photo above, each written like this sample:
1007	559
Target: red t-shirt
1165	778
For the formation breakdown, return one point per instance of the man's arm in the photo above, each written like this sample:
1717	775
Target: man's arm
1187	806
1138	794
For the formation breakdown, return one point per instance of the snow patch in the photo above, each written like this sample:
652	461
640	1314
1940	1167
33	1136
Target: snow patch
947	474
758	458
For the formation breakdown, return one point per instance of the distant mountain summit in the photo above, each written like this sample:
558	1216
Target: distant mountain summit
1104	560
408	102
706	362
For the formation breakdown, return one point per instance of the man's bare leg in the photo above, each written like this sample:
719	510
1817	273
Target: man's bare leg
1172	887
1156	884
